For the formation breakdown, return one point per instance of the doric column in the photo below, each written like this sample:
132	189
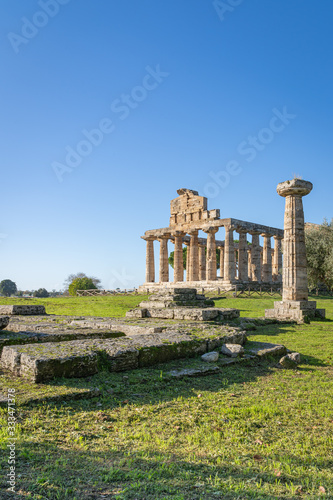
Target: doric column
211	254
221	262
178	266
249	264
194	256
255	257
295	282
229	255
187	243
164	262
277	259
202	262
242	257
267	259
150	261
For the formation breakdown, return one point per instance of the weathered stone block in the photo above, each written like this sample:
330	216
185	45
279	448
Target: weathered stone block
210	357
24	310
4	321
232	350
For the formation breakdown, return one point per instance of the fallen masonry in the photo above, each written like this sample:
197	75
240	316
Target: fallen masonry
77	358
182	304
29	310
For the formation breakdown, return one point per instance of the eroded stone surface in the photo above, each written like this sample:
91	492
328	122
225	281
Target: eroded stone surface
291	360
23	310
78	358
210	357
232	350
4	321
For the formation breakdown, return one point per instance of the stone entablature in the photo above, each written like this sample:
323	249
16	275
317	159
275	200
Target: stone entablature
189	215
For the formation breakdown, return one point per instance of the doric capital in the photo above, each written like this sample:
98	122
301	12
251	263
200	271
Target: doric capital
211	230
294	187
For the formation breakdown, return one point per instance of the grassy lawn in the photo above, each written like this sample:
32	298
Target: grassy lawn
249	432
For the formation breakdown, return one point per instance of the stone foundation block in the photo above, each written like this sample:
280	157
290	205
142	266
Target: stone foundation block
4	321
23	310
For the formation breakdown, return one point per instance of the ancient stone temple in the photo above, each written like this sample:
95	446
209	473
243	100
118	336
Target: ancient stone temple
241	262
295	304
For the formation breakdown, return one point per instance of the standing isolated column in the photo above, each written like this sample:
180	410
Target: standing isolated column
277	259
242	257
164	262
194	256
211	254
256	257
178	264
202	262
229	255
150	261
295	281
267	259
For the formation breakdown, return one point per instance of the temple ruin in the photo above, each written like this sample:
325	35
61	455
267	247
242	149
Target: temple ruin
240	262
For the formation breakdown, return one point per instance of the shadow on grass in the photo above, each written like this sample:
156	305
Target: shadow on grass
52	471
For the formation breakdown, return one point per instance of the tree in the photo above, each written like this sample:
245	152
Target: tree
319	254
81	284
72	277
41	292
8	288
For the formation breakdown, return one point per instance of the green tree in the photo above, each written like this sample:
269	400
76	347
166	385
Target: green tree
8	288
41	292
319	254
81	284
72	277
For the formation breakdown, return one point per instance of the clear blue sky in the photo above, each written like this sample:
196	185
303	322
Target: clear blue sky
179	89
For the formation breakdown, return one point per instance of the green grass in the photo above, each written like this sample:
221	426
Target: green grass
249	432
112	305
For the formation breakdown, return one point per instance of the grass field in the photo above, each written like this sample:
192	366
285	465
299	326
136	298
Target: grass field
250	432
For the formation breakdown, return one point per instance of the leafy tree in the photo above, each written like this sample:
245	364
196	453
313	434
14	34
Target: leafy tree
8	288
72	277
319	253
81	284
41	292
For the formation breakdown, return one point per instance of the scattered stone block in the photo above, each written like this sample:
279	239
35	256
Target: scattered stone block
4	321
22	310
136	313
232	350
210	357
266	349
193	372
290	360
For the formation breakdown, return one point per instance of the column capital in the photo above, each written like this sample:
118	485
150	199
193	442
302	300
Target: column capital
267	235
193	232
165	236
149	238
211	230
277	237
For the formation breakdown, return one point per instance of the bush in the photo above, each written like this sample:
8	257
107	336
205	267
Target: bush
81	284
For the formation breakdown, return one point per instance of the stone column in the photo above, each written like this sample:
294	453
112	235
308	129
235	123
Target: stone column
249	265
295	280
150	261
267	259
242	257
277	259
229	255
187	243
221	262
178	265
255	257
295	304
202	262
194	256
211	254
164	262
